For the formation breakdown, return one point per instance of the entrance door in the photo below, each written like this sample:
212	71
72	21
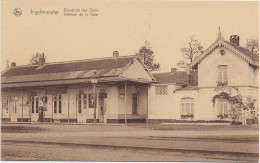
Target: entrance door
134	103
13	111
101	110
41	110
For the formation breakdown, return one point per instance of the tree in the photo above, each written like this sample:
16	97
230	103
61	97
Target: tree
147	57
35	59
252	44
192	49
7	64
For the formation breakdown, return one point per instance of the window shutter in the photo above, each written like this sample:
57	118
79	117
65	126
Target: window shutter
192	108
225	75
226	108
220	76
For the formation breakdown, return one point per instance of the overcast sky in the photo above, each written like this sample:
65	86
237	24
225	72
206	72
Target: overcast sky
122	26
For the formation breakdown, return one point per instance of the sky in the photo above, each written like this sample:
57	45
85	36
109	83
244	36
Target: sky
121	26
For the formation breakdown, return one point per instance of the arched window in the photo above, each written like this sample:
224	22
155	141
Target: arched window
187	106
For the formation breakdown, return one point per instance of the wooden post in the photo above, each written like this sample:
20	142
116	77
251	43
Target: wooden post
52	107
76	108
94	103
22	105
68	105
125	106
3	110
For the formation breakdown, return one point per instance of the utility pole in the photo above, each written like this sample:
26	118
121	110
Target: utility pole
125	106
95	103
94	81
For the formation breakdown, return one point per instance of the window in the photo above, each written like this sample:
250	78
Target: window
161	90
35	104
14	107
5	103
222	74
57	103
82	102
187	106
223	107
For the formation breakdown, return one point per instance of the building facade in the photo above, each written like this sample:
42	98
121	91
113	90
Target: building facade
224	70
67	91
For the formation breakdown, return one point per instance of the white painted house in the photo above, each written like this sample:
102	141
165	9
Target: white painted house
64	91
224	67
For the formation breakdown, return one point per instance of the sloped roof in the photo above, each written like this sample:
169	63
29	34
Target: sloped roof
188	88
67	71
104	64
245	51
178	77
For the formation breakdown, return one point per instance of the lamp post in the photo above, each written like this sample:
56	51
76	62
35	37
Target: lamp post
94	81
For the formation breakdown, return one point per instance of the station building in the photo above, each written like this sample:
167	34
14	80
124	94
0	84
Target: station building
67	91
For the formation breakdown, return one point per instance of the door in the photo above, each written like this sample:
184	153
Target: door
134	103
13	111
34	108
101	110
41	110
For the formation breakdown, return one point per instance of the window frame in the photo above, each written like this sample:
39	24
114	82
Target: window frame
161	90
221	103
82	102
34	104
190	104
223	73
57	104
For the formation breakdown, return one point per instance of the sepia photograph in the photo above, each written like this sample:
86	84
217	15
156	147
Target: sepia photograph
130	81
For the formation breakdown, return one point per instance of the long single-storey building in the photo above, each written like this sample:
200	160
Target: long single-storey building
66	91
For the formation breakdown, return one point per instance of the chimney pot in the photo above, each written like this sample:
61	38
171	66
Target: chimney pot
173	69
234	39
13	64
115	54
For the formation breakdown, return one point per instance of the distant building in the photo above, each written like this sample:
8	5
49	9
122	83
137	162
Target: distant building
223	68
64	91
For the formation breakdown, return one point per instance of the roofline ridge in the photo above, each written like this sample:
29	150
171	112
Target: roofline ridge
241	47
166	72
29	65
90	59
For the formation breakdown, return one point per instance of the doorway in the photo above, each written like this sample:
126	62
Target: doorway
101	110
134	103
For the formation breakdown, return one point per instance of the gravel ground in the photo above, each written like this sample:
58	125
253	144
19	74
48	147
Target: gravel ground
60	153
238	139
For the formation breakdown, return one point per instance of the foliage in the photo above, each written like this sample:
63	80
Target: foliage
192	49
223	95
222	84
252	44
238	103
187	116
223	116
147	56
35	59
7	64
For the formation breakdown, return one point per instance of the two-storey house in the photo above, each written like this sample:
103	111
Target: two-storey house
223	70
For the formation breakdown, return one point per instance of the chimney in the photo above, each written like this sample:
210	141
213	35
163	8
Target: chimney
41	60
234	39
13	64
173	69
115	54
